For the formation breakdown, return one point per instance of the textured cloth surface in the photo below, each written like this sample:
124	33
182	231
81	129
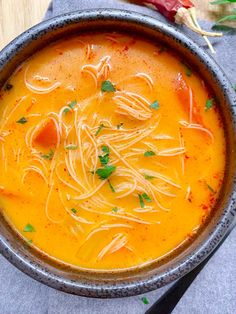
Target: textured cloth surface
213	291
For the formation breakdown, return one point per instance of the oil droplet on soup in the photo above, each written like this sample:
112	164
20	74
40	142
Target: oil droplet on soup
112	151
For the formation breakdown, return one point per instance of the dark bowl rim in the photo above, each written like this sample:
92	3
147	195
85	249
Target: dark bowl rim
206	247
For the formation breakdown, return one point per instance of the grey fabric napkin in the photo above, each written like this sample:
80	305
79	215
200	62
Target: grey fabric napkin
214	290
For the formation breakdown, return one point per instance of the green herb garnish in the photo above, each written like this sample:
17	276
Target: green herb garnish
227	18
145	300
111	186
29	228
8	86
48	156
155	105
222	1
101	126
105	172
70	106
74	211
115	209
120	125
188	71
146	197
71	147
141	201
107	86
22	120
211	189
105	149
149	153
30	241
148	177
209	104
234	87
104	159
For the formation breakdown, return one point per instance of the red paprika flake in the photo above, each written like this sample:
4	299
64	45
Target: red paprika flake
181	12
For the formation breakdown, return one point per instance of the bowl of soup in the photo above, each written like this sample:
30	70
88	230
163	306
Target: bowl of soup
117	153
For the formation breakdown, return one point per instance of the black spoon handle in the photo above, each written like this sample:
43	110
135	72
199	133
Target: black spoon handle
167	303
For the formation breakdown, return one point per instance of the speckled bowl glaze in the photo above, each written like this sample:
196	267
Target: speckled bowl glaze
138	280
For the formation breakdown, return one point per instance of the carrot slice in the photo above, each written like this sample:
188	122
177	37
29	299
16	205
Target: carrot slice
47	135
185	95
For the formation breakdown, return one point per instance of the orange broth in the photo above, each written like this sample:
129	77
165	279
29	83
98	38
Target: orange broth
112	151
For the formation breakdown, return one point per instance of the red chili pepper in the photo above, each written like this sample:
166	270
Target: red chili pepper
169	8
181	12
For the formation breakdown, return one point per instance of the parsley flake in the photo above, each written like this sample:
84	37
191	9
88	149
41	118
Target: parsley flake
105	149
115	209
74	211
71	147
22	120
155	105
101	126
211	189
146	197
149	153
234	87
70	106
111	186
105	172
104	159
141	201
29	228
107	86
8	86
209	104
48	156
148	177
145	300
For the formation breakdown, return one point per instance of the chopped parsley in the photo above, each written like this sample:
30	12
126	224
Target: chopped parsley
143	197
104	159
234	87
8	86
155	105
141	201
74	211
120	125
148	177
30	241
146	197
22	120
105	149
145	300
101	126
105	172
115	209
48	156
188	70
71	147
211	189
111	186
29	228
107	86
209	104
149	153
70	106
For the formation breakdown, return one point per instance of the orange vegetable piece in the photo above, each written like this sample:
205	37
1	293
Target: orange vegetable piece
184	94
47	135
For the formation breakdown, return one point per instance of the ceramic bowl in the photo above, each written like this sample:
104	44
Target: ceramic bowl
157	274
